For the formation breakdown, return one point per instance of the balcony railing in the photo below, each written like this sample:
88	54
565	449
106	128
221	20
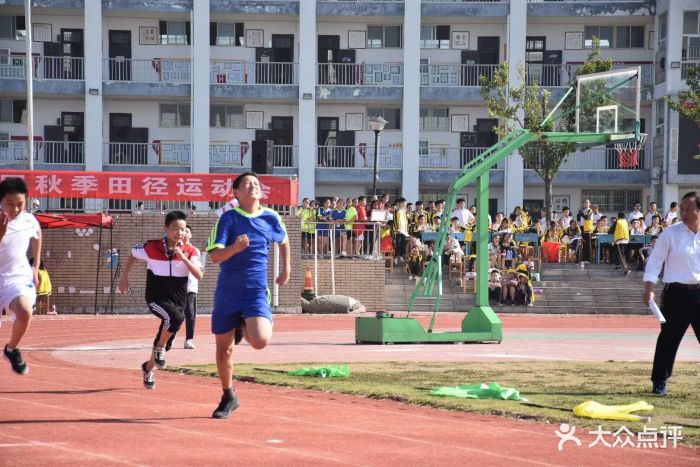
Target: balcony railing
548	75
238	155
360	74
47	152
64	68
156	70
448	158
690	58
361	156
601	158
156	153
237	72
434	75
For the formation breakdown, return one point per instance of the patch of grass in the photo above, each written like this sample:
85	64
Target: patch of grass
552	388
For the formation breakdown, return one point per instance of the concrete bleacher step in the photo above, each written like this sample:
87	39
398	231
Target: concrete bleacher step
563	288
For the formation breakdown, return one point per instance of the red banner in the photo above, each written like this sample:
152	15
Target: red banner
143	186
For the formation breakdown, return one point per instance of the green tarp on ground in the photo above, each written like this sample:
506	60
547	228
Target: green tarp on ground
478	391
323	372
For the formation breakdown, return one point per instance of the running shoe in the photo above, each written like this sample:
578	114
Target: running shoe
226	406
189	344
15	357
159	357
149	377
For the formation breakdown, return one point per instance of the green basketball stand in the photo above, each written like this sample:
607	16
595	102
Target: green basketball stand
599	99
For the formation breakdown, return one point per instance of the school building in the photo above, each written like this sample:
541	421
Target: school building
189	86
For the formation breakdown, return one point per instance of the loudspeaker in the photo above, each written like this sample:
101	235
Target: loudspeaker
262	156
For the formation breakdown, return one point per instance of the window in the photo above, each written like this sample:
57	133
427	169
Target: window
4	138
12	27
13	110
64	204
435	37
393	116
174	115
613	200
534	49
663	21
226	34
434	119
690	22
175	32
384	37
123	205
227	116
616	37
660	112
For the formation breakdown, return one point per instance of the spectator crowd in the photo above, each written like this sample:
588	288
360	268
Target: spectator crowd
405	233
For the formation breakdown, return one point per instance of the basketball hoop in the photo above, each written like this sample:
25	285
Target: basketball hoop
628	153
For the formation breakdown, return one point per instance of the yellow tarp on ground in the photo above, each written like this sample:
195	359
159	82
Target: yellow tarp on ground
592	409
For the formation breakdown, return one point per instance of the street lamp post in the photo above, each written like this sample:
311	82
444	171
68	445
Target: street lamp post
377	125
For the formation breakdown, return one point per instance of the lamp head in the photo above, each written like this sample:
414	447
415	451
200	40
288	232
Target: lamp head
377	123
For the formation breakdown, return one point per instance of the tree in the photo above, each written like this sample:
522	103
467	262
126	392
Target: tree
688	103
507	103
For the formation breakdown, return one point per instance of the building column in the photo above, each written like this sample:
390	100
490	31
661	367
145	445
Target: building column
200	87
307	99
92	66
411	104
516	34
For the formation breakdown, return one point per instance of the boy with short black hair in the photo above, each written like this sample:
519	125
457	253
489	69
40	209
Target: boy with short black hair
169	265
18	280
240	243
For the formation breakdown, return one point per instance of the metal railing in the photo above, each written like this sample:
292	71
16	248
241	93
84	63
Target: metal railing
156	153
360	74
601	159
285	156
156	70
327	237
449	158
63	68
434	75
547	75
47	152
358	157
687	65
237	72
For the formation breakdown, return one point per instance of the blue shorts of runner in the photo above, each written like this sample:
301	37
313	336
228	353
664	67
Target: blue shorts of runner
233	306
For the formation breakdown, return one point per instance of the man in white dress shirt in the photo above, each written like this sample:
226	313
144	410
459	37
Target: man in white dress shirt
677	250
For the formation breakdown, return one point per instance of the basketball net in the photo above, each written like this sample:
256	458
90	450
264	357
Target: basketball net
628	153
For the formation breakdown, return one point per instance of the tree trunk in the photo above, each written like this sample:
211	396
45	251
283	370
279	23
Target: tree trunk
548	183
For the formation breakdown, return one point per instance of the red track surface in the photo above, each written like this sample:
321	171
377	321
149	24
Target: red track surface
68	412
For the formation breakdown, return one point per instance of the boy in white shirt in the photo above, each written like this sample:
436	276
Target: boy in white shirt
18	280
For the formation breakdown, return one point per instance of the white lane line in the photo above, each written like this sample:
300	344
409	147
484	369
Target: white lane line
300	400
393	350
31	444
530	357
207	435
74	451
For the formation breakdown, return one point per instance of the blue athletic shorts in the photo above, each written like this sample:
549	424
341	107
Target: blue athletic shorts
233	306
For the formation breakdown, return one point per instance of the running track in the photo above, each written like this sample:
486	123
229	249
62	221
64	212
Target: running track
83	402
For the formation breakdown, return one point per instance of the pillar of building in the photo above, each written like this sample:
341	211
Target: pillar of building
92	67
411	104
516	34
200	87
307	99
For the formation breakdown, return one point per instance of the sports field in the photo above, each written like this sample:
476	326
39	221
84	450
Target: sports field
83	402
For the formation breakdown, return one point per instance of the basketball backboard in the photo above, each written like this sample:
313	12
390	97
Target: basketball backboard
608	102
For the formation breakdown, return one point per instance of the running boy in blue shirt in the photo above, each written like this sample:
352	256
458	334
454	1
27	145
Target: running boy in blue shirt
240	243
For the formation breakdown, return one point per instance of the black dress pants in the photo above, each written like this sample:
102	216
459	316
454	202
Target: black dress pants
681	308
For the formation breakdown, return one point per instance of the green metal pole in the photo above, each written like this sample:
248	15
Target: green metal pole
482	240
